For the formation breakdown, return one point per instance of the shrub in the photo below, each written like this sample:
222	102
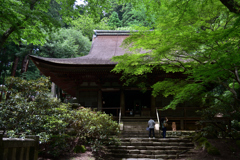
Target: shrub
57	145
202	140
206	145
21	112
213	150
235	134
238	143
80	149
196	136
51	119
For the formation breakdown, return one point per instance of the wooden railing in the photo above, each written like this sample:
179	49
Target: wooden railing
18	148
119	116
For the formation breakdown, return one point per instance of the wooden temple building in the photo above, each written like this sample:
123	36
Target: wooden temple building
90	80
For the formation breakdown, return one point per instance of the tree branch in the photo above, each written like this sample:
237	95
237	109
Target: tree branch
232	5
13	28
236	75
180	63
230	89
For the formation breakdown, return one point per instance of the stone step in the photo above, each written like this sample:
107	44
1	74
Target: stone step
162	156
155	144
148	152
138	136
113	147
135	143
168	131
157	139
144	133
158	148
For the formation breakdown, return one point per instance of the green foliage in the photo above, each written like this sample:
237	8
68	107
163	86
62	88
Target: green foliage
32	73
11	134
213	150
31	21
59	144
86	25
93	124
95	8
21	113
133	17
238	143
7	57
66	43
196	40
30	27
196	136
203	142
80	149
114	21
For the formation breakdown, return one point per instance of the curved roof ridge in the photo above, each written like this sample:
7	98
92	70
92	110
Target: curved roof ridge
101	53
112	32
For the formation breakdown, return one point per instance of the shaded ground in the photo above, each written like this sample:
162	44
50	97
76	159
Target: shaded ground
78	156
227	147
88	155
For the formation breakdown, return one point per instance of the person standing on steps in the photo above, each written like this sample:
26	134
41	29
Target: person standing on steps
151	125
164	124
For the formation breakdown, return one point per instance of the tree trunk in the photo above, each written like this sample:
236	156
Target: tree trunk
24	64
0	96
3	53
14	66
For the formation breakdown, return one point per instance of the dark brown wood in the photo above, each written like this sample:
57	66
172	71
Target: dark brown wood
2	63
17	148
14	66
24	64
93	72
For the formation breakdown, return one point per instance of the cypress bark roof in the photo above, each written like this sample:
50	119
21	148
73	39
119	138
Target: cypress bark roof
70	73
105	45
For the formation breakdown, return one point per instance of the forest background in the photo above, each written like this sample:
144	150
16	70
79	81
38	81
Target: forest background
198	38
56	29
54	34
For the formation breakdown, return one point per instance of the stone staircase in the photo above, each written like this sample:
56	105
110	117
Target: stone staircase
135	143
136	129
158	148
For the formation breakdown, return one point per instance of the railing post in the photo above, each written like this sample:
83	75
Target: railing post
120	116
1	147
36	147
158	122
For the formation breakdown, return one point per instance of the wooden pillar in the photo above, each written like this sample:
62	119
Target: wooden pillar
1	147
122	102
185	119
182	124
153	106
100	102
53	90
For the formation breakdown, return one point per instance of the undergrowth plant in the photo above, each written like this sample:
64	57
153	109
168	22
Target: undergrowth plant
29	109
